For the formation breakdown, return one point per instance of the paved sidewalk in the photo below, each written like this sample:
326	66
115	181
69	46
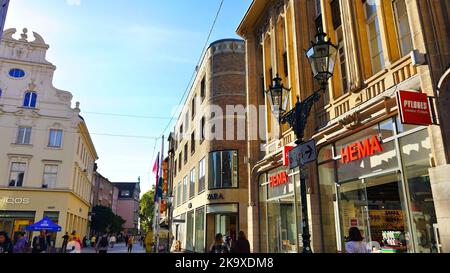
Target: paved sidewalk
118	248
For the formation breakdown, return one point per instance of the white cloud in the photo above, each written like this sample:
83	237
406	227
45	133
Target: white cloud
73	2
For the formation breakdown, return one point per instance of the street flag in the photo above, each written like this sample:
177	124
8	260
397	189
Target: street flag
3	11
156	167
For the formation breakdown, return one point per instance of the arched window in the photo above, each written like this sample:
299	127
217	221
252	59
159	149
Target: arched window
30	99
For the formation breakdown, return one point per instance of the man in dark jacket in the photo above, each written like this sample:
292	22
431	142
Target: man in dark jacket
6	245
40	244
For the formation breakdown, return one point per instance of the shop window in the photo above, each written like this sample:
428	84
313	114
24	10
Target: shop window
402	128
192	183
24	136
185	189
200	230
190	231
55	138
374	36
325	154
50	176
17	174
404	36
201	175
416	152
223	169
30	100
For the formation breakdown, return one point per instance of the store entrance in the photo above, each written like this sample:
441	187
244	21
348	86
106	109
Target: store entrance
375	206
224	223
282	226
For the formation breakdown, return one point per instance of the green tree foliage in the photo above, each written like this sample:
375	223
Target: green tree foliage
105	221
147	210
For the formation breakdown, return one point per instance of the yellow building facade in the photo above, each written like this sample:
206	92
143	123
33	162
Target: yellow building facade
46	153
384	46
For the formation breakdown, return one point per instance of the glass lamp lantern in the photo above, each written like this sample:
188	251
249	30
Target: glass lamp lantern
322	56
278	97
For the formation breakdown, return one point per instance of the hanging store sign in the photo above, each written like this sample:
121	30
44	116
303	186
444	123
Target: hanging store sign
278	180
361	149
414	108
286	151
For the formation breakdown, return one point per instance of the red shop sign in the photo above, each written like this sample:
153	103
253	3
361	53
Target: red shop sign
414	108
361	149
278	179
286	151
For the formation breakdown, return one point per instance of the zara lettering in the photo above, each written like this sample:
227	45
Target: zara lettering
361	149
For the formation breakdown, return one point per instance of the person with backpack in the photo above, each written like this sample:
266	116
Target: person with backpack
103	244
40	243
219	246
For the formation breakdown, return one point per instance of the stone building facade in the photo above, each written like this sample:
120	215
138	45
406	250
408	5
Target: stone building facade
209	177
383	47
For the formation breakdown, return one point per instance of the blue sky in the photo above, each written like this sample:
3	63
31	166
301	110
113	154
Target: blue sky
126	57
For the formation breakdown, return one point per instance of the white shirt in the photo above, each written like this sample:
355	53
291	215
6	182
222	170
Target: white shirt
355	247
73	245
112	239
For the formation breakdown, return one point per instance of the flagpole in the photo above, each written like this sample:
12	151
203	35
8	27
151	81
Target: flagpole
158	213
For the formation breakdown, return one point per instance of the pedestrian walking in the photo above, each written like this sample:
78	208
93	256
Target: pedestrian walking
21	245
65	242
112	241
102	245
73	246
93	241
130	243
6	245
355	242
84	241
218	246
40	243
241	245
126	240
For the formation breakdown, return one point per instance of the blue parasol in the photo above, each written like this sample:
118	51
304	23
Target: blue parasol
44	224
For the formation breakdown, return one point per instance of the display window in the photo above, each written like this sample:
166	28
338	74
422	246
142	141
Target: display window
377	180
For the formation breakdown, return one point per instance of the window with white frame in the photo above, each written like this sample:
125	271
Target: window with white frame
192	183
30	99
404	36
201	175
17	174
185	189
374	36
50	176
179	194
24	136
55	138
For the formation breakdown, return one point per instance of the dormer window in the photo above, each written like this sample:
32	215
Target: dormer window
30	100
17	73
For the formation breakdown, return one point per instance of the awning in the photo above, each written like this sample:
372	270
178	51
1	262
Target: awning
44	224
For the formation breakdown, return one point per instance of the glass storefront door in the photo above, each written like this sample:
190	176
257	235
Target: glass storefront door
282	230
375	206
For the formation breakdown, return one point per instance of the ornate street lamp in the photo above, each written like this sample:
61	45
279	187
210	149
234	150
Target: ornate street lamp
322	57
278	97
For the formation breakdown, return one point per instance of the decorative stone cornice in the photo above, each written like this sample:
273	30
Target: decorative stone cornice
351	121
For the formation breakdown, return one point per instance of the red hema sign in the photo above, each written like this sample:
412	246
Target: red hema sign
414	108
